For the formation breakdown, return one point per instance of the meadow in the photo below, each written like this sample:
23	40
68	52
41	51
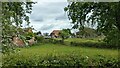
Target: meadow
64	53
58	49
0	59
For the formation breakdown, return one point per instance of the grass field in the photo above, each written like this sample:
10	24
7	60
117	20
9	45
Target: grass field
33	53
0	59
82	40
57	49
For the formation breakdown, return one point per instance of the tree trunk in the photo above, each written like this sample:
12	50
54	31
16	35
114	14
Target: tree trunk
62	40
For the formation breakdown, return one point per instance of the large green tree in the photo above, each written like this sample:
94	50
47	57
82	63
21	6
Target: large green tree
64	34
104	15
13	13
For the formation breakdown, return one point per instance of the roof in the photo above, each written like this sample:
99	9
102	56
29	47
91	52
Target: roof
56	32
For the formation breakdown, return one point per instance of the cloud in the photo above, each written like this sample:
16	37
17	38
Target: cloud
38	19
61	17
47	11
47	27
43	1
49	16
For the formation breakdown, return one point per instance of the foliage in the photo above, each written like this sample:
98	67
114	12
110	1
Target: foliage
60	55
39	32
43	49
13	13
94	44
40	39
103	14
57	60
87	32
113	37
65	33
46	34
29	35
88	42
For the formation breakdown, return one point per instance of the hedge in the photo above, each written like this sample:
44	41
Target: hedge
94	44
66	60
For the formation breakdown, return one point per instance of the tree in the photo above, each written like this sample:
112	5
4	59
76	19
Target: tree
13	13
39	33
87	32
105	14
46	34
64	34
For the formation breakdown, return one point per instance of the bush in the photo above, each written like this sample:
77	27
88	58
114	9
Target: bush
93	44
40	38
54	41
58	41
57	60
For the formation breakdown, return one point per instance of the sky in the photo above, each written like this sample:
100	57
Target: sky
49	15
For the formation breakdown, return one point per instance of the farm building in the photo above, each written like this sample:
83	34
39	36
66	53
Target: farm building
24	40
55	33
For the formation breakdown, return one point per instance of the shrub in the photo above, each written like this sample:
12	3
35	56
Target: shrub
54	41
40	38
93	44
57	60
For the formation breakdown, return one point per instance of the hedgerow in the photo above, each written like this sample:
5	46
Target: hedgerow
94	44
57	60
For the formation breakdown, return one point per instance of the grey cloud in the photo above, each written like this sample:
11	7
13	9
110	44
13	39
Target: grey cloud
61	17
48	11
49	16
57	4
38	19
47	27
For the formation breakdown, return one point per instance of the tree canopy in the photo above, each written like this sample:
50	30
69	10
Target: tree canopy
104	15
13	13
65	33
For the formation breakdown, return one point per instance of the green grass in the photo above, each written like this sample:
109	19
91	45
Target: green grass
57	49
0	59
46	52
81	40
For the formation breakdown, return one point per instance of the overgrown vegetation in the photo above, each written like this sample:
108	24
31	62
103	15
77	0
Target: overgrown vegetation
60	55
104	15
94	44
67	60
52	52
13	13
64	34
85	42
